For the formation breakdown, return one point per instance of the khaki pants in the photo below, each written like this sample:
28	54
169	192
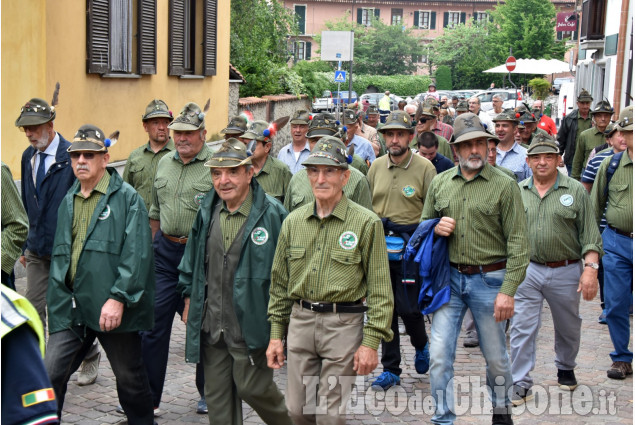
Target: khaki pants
230	377
320	351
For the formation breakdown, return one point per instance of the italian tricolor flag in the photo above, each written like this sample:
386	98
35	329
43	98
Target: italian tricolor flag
38	396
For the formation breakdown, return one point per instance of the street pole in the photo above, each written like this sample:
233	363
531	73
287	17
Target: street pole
350	63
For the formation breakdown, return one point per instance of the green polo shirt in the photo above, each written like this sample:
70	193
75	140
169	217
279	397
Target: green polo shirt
178	190
300	193
339	258
15	222
399	190
619	209
83	209
587	141
561	224
583	124
141	168
231	222
274	178
490	225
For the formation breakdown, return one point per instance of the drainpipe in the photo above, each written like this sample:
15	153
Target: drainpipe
621	48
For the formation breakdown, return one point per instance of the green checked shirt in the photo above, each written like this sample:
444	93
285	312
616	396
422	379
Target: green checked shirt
340	258
15	222
274	178
231	222
178	190
587	141
619	211
83	210
561	224
141	168
490	225
300	193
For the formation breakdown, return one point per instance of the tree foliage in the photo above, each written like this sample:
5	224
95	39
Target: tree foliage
540	87
443	77
402	85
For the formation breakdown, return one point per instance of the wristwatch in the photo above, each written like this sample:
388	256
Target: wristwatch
594	266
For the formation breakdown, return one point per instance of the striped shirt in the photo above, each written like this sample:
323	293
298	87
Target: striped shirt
231	222
561	224
514	159
444	130
178	190
619	208
141	168
15	222
274	178
339	258
490	225
590	172
83	210
300	193
587	140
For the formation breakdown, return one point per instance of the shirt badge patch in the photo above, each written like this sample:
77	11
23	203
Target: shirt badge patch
408	191
105	213
198	198
348	240
39	396
259	236
566	200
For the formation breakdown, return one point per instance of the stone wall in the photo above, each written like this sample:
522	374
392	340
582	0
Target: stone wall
233	98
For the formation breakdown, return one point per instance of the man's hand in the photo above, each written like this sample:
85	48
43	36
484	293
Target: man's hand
111	314
275	354
23	260
561	161
445	227
186	309
588	283
365	360
503	307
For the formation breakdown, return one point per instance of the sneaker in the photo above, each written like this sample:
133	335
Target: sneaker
89	371
619	370
521	395
566	380
157	411
602	318
385	381
422	359
471	339
201	406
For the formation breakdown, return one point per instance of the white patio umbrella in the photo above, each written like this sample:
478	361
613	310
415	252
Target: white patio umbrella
533	66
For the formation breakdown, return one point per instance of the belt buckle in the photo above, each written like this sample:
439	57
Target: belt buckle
461	268
316	305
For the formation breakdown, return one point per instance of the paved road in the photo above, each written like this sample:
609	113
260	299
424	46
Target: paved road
597	399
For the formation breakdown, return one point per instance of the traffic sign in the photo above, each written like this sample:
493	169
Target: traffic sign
340	76
510	63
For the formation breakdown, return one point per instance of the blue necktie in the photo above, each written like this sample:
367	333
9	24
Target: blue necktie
41	171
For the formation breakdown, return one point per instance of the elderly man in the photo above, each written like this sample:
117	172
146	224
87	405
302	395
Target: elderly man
509	153
497	103
271	174
228	256
46	177
612	195
15	226
572	126
236	128
474	105
591	138
298	150
181	182
481	213
362	146
428	145
545	123
322	245
101	284
300	193
440	128
141	166
565	247
399	182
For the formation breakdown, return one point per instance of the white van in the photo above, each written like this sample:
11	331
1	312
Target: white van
566	101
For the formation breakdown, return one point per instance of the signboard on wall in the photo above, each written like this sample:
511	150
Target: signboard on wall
336	46
566	21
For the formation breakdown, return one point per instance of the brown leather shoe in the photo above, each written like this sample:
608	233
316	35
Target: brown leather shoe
619	370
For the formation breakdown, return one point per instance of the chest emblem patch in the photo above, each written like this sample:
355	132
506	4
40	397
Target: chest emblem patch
566	200
348	240
408	191
259	236
198	198
105	213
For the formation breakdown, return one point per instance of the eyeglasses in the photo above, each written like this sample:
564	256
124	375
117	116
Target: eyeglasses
423	120
87	155
327	171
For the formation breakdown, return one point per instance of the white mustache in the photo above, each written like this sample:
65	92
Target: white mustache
81	167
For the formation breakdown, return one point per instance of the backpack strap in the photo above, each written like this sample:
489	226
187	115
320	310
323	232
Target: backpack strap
615	162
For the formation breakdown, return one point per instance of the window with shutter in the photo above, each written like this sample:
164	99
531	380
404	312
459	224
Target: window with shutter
176	46
98	36
147	40
433	20
300	13
209	38
307	51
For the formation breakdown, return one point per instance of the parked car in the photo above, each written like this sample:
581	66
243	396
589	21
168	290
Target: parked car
374	98
510	98
343	98
557	83
324	103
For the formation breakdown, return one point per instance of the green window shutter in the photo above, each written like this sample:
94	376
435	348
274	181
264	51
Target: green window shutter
416	24
446	18
209	37
307	50
433	20
359	15
377	13
97	36
474	17
147	40
462	17
300	12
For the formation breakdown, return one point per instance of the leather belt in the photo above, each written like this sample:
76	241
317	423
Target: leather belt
467	269
177	239
621	232
348	307
556	264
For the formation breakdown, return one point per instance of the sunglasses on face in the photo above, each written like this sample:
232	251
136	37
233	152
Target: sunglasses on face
423	120
87	155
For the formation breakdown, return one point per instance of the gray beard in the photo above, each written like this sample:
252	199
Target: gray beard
465	163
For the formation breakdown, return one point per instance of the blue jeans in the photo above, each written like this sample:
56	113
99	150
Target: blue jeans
66	350
476	292
618	284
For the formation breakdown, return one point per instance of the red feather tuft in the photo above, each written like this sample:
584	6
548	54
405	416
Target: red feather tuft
273	129
248	116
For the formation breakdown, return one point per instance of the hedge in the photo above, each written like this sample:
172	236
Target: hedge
402	85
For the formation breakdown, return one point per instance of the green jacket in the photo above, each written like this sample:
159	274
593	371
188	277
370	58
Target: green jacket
253	275
116	262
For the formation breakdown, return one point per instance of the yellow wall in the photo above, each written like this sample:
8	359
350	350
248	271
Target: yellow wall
110	103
